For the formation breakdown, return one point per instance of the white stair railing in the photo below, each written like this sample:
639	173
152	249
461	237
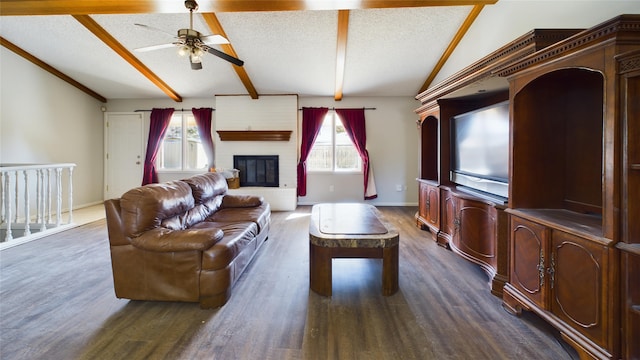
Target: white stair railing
22	214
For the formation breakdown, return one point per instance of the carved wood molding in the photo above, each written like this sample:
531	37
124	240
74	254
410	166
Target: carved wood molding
254	135
517	49
619	29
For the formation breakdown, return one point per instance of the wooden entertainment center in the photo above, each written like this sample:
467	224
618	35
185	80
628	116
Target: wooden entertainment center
565	244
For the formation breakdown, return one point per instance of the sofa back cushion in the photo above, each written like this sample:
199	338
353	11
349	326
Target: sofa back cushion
150	206
207	186
208	191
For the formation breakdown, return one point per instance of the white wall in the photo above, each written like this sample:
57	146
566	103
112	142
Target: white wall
129	105
392	142
489	30
45	120
265	113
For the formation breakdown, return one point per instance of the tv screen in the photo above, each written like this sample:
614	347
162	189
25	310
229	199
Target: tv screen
480	153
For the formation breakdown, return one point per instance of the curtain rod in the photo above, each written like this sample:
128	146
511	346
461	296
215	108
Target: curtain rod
173	109
333	108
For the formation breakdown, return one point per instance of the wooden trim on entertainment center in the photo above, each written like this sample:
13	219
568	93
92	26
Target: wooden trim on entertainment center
620	24
519	48
254	135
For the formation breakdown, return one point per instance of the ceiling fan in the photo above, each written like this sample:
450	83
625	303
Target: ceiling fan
192	43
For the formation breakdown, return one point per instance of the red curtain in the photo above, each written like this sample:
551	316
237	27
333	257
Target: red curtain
160	119
354	124
203	121
312	119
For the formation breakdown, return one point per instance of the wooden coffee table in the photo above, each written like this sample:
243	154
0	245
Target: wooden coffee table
350	231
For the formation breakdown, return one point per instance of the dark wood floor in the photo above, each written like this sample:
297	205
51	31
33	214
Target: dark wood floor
57	302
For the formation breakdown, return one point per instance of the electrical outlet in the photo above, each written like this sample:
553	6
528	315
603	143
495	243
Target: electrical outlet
330	188
398	187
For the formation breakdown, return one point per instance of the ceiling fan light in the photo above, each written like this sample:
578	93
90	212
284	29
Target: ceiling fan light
195	58
183	50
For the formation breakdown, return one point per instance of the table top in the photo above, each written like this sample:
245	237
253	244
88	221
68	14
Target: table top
351	225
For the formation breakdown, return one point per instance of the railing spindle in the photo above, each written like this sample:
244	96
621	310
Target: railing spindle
27	214
70	195
58	196
7	203
19	207
41	201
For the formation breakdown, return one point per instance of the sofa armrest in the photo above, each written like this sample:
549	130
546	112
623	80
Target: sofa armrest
166	240
241	201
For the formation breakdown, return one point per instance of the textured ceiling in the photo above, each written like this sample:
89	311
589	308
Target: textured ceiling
390	52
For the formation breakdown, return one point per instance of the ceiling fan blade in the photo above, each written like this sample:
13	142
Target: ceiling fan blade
224	56
214	39
151	28
155	47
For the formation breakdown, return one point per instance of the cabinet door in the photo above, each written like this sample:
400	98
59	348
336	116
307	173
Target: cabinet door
630	271
476	234
528	263
447	222
433	208
423	193
429	205
578	269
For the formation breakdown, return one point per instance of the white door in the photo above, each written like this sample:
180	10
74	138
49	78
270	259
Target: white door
124	152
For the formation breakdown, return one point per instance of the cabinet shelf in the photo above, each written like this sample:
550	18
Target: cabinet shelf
254	135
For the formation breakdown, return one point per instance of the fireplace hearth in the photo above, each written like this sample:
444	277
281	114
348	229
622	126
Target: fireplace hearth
257	170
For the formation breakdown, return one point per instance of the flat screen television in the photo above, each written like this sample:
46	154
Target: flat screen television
480	149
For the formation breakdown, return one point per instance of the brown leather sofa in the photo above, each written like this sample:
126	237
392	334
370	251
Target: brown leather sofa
185	240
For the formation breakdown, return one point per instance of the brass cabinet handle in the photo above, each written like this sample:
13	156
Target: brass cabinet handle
552	269
540	268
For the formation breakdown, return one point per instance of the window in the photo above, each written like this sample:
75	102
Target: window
333	150
181	148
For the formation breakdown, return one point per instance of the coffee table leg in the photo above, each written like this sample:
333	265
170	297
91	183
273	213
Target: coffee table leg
320	269
390	268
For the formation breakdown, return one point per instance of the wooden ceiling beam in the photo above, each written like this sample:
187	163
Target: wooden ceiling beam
452	46
341	52
28	56
103	35
216	28
87	7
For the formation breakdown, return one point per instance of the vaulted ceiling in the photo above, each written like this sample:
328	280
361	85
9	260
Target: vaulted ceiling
309	48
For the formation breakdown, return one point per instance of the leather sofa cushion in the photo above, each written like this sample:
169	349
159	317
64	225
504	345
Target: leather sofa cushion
201	212
261	215
206	186
165	240
236	201
237	236
146	207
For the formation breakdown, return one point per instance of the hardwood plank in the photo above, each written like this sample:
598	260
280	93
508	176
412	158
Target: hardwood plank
57	302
